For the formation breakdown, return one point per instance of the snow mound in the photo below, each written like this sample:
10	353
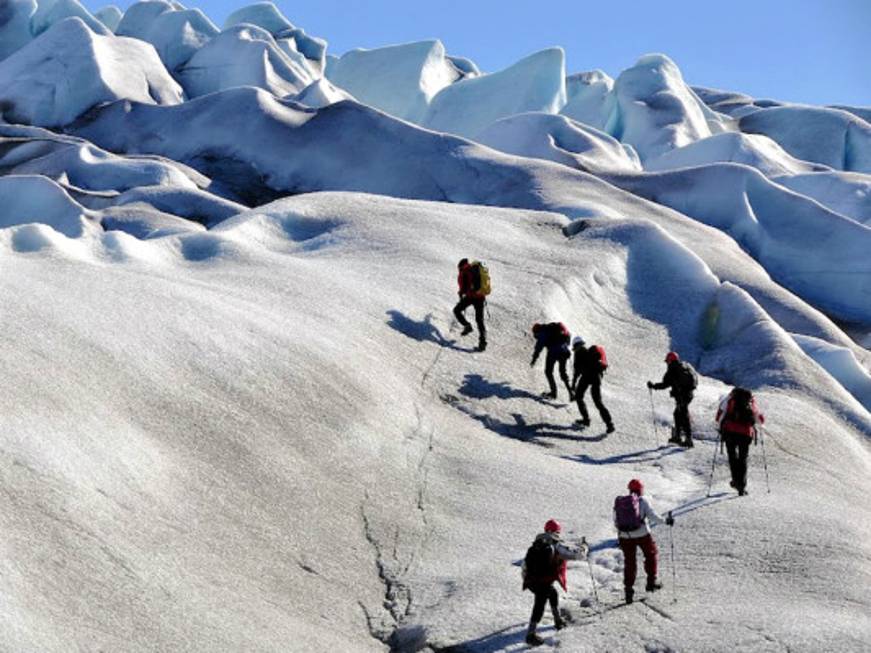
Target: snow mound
754	150
557	138
835	138
841	364
818	254
589	98
15	31
69	69
399	79
176	34
89	167
30	199
656	111
467	67
847	193
189	203
50	12
536	83
320	93
860	112
110	16
243	55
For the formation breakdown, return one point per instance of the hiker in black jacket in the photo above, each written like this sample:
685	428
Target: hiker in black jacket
681	378
589	366
555	338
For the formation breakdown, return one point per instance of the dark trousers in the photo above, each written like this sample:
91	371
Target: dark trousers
737	446
630	565
478	304
682	417
554	357
546	594
594	383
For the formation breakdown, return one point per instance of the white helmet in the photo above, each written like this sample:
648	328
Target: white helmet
577	341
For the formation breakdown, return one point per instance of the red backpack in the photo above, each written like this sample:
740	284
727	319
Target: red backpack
600	354
564	332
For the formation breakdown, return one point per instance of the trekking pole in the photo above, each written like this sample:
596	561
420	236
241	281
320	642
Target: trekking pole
673	568
592	578
764	461
653	415
713	464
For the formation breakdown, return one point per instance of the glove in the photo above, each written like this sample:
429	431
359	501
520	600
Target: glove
584	549
669	519
650	385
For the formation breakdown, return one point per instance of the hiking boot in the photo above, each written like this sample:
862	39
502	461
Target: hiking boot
582	423
653	585
482	345
609	428
629	593
466	330
731	483
534	640
549	395
559	623
687	444
742	492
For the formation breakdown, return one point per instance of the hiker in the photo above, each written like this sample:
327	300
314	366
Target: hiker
545	563
474	282
555	337
737	417
682	379
631	515
590	364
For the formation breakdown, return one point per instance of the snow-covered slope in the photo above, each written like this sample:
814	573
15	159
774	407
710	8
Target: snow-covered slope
847	193
197	507
50	12
69	69
589	98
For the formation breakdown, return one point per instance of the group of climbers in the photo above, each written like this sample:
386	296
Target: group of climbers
545	561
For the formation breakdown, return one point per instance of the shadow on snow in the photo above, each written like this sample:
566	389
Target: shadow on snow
421	330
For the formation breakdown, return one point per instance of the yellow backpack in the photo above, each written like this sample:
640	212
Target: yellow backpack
480	278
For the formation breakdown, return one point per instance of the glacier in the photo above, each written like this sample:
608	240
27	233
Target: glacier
238	414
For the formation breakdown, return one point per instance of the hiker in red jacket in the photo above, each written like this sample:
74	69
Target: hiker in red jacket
554	337
737	417
631	515
545	564
590	364
470	296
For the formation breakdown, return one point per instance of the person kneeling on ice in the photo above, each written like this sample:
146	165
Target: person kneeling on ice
544	564
473	280
590	364
631	514
555	337
737	417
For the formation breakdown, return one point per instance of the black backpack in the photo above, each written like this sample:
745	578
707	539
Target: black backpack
687	380
742	407
539	559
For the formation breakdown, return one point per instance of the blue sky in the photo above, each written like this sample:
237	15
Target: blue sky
815	51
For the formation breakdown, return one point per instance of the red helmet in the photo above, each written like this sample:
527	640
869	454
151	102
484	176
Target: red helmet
552	526
671	357
536	328
635	486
